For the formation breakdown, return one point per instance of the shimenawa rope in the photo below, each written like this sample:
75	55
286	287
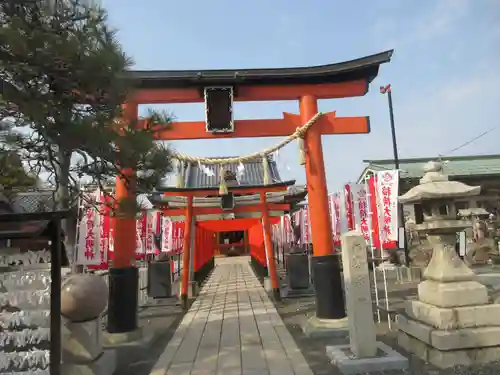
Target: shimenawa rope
298	134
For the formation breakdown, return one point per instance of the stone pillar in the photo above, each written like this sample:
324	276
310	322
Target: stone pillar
363	354
362	335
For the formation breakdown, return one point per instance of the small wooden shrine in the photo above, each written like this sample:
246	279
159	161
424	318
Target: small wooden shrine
216	206
250	173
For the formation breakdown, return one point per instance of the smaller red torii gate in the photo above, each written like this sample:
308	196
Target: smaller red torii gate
203	248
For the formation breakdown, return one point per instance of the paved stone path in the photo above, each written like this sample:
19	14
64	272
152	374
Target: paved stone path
232	328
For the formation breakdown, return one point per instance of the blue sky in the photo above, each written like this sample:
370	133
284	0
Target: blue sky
445	71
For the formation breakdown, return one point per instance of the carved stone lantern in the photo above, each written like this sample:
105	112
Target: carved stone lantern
452	322
437	195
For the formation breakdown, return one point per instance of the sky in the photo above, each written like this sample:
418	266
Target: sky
444	73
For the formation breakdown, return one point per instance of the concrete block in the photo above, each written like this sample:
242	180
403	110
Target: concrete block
287	292
451	358
389	359
465	338
268	286
315	327
413	328
453	318
453	294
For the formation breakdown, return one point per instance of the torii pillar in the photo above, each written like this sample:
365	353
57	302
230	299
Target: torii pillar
123	275
330	307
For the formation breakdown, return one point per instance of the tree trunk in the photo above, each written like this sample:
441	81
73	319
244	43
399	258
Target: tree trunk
63	201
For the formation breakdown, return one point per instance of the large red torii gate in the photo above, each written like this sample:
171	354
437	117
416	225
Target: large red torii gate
307	85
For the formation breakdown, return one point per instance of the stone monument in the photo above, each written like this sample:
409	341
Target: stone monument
297	275
83	299
452	322
363	354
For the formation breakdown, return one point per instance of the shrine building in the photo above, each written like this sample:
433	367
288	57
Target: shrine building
245	174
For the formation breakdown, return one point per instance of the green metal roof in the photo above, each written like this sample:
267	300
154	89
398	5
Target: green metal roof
453	166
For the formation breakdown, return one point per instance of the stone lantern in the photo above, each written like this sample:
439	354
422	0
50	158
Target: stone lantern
452	322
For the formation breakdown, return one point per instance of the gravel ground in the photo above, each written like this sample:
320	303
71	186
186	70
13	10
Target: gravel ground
162	320
295	313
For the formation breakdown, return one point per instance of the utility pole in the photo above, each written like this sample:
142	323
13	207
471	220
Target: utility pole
388	90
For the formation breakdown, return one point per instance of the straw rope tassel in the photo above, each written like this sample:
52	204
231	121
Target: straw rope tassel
180	175
267	173
302	150
222	187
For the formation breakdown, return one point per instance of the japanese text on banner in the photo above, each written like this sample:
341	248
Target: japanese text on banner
387	202
361	210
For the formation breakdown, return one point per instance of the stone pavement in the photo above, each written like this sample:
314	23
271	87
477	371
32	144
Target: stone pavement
232	328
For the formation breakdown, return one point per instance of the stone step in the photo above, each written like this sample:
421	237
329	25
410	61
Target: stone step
24	319
27	361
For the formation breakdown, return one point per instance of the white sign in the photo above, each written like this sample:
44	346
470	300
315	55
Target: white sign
387	203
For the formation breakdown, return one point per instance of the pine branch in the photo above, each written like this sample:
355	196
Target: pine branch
63	81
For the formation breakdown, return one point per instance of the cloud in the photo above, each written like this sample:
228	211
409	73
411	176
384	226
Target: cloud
435	122
441	20
437	22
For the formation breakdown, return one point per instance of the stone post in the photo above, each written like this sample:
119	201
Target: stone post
83	299
362	335
363	354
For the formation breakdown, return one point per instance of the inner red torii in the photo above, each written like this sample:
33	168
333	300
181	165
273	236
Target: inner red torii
203	248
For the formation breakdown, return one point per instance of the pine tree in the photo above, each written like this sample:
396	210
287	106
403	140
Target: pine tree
63	80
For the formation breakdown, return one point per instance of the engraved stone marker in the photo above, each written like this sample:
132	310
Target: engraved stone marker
362	335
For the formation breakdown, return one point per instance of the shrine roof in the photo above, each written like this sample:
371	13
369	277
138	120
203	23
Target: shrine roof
362	68
453	166
27	225
233	188
253	174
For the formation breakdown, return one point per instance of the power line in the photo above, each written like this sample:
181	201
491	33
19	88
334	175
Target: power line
470	141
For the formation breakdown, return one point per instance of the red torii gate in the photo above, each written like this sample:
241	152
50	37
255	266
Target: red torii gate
191	211
307	85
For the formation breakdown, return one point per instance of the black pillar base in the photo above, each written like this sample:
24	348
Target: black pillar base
259	269
201	275
276	294
184	302
122	303
327	280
